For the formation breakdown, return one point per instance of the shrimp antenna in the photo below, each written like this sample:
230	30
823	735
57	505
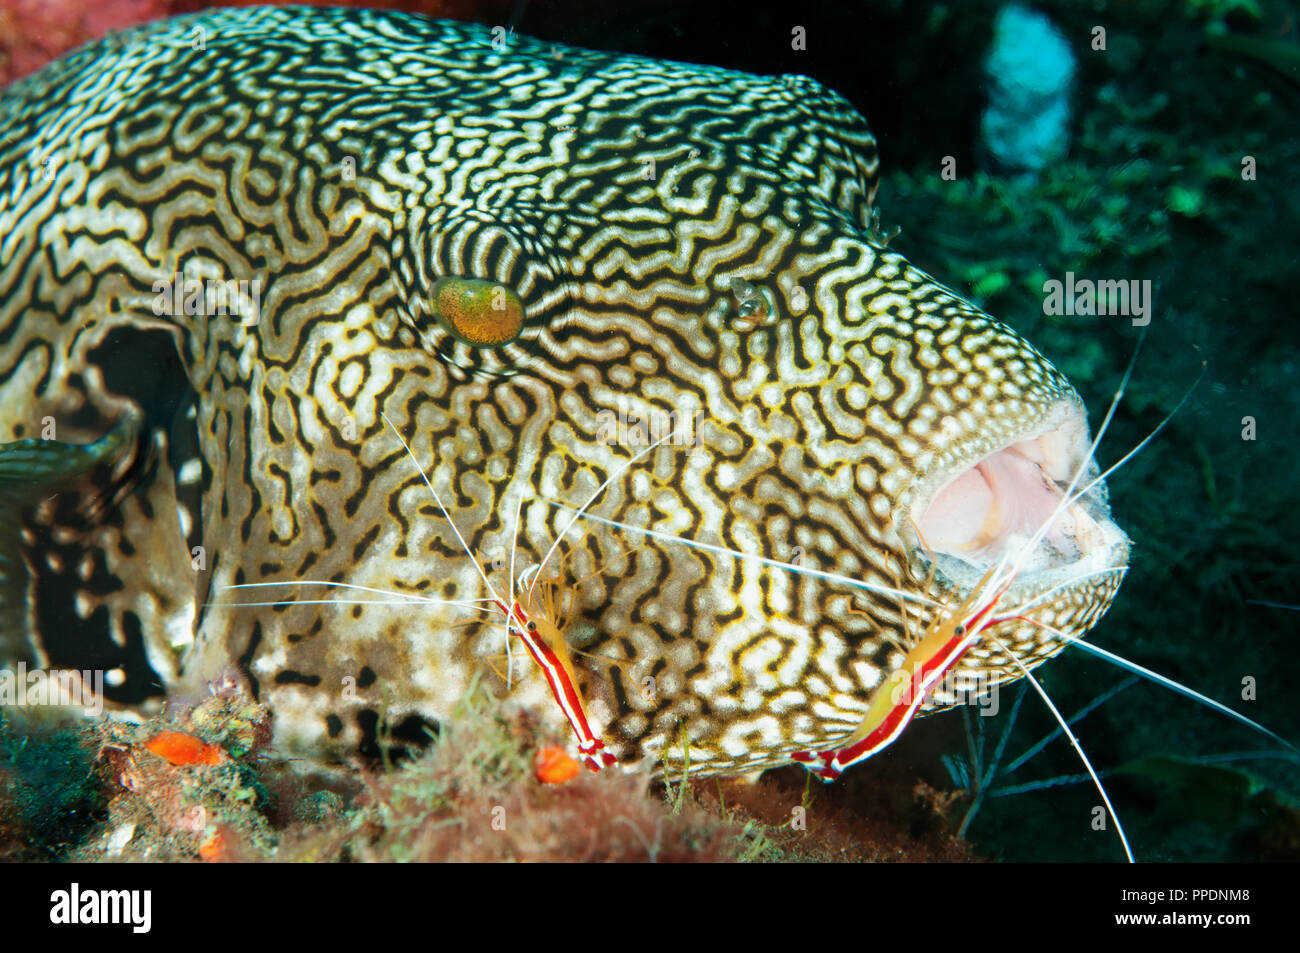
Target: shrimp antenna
709	547
402	598
591	499
1178	687
514	546
437	499
1065	726
1145	440
1069	496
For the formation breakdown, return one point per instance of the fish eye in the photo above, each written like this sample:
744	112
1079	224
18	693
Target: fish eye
479	312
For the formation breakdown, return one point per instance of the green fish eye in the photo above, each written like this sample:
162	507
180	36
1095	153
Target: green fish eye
479	312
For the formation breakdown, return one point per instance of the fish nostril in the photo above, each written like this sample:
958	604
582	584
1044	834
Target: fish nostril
754	305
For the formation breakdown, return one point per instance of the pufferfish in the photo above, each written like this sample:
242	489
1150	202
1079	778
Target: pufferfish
249	257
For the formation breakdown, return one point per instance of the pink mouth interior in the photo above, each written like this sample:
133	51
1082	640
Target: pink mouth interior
1001	502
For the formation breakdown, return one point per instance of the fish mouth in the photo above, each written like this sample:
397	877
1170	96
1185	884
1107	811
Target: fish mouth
992	505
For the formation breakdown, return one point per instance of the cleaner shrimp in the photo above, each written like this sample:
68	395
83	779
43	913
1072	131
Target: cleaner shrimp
534	607
954	629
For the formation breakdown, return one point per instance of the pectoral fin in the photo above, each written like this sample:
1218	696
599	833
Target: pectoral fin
30	472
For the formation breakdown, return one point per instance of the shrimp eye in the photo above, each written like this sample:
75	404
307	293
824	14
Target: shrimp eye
960	629
532	626
481	313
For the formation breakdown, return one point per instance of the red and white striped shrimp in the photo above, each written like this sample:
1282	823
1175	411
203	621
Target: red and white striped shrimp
954	630
539	621
898	698
533	614
531	608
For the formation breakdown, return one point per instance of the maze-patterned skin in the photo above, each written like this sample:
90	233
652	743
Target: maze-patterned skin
345	161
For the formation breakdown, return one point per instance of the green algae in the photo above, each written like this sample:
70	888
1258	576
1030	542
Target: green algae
50	791
1282	56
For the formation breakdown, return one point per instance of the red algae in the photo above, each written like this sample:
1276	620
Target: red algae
181	749
553	765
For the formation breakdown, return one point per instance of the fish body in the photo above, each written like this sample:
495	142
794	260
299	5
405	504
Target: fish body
247	237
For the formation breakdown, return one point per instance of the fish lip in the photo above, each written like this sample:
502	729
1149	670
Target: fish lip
1062	433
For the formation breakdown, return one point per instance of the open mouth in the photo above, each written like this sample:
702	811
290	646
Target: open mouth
994	508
